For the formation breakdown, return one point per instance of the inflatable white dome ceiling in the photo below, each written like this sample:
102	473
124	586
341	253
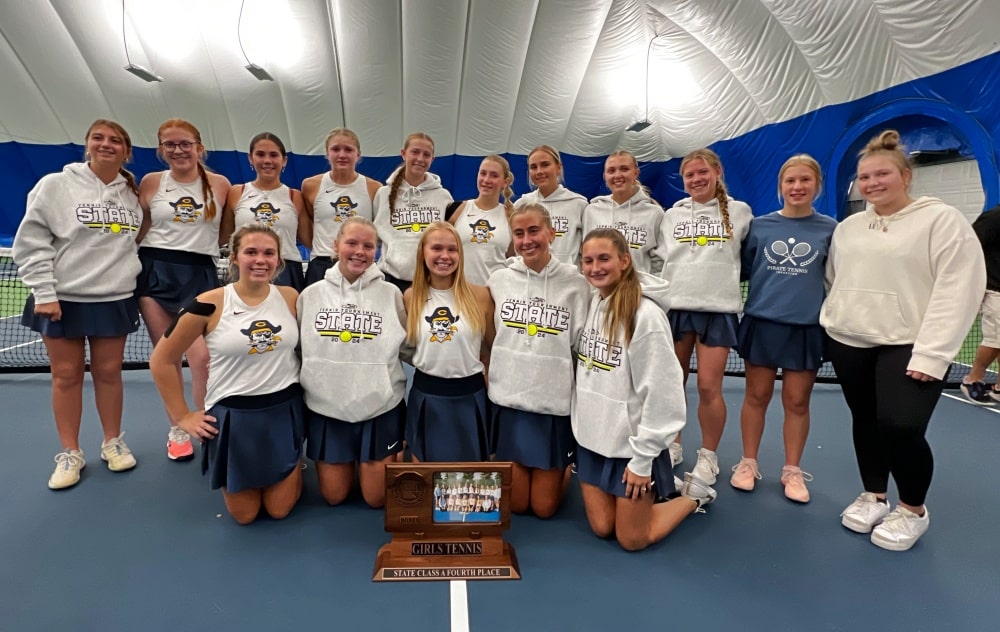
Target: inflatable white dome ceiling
758	80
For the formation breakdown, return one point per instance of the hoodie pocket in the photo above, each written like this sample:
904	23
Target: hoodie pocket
349	392
867	315
523	380
602	424
704	286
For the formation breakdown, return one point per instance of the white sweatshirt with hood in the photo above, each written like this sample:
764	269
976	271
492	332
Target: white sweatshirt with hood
77	239
629	400
701	260
914	277
538	320
638	220
351	337
566	211
400	230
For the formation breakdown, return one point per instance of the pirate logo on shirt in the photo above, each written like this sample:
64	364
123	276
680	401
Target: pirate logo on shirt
482	231
343	208
263	336
265	213
442	324
186	209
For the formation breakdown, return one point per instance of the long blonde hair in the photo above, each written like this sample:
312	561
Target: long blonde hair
465	299
623	299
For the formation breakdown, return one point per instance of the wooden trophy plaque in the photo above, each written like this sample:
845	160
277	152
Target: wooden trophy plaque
447	522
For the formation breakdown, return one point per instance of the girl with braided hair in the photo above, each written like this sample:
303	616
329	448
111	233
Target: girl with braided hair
483	224
179	240
699	243
412	200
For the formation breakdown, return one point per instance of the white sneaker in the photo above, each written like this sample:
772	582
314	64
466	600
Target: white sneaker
864	513
707	466
67	472
117	454
676	453
901	529
697	490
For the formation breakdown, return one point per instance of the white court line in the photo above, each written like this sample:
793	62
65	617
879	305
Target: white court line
459	606
23	344
992	409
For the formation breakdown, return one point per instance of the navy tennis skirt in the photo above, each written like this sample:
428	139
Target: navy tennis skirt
292	276
448	419
259	442
174	278
606	473
533	440
110	319
334	441
791	347
713	329
317	269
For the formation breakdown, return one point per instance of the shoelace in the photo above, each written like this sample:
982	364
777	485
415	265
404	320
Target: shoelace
748	464
178	435
65	459
787	474
117	444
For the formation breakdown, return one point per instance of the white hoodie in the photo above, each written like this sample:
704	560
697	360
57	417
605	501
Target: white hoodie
400	231
638	220
351	336
701	260
629	400
538	319
77	239
566	211
914	277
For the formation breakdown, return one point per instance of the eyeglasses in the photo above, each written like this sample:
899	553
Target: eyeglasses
184	145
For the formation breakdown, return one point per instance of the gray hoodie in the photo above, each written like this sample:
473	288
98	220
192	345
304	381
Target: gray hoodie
629	400
77	239
701	260
638	220
400	230
566	210
538	318
351	336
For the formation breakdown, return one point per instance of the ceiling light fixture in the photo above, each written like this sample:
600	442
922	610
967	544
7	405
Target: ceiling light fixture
137	70
644	122
252	68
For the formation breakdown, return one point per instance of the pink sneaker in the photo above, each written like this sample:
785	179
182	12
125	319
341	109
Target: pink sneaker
179	446
745	474
794	480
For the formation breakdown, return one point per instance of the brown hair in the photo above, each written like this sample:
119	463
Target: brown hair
712	160
804	160
887	144
233	273
128	175
465	299
401	172
623	299
342	131
206	185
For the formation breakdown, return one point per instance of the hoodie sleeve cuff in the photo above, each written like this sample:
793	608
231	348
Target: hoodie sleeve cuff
45	295
641	465
932	366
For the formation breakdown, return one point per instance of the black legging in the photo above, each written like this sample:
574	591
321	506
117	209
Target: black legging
891	411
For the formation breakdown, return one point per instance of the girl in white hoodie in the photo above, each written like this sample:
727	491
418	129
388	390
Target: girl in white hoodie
75	249
412	200
541	305
906	279
629	403
545	171
629	210
352	329
699	243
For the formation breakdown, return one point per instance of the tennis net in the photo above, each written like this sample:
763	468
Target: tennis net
22	350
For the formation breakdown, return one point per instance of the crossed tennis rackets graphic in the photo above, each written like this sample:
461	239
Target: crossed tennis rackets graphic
799	250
